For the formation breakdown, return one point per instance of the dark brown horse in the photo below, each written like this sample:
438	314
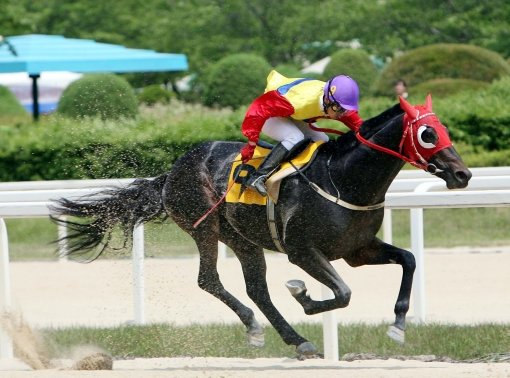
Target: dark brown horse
329	211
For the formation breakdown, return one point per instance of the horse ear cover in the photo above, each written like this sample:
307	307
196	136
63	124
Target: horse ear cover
408	108
428	103
444	139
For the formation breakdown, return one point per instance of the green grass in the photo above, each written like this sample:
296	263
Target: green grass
477	227
31	239
164	340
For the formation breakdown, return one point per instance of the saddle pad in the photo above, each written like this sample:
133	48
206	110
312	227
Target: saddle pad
252	197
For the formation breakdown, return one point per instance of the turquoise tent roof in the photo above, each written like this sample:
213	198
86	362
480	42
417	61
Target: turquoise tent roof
35	53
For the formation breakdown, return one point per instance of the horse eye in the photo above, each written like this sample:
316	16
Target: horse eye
427	136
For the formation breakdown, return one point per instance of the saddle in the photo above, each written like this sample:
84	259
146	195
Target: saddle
239	171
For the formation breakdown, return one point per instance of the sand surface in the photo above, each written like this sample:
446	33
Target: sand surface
463	286
273	367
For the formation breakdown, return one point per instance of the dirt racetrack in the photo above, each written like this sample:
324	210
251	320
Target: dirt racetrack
463	286
275	368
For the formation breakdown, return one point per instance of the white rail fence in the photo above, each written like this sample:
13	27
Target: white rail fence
414	190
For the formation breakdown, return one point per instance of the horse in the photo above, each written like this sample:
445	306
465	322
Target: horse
331	210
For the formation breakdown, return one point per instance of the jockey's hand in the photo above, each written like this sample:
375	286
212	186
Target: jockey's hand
247	151
351	119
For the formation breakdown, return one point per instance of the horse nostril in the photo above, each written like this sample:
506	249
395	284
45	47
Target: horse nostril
463	176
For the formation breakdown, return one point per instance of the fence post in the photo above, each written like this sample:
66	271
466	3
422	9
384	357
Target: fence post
419	274
222	250
418	250
138	255
6	349
62	243
329	328
387	227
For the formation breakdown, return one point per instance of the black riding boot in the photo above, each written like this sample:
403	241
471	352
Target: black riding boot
257	179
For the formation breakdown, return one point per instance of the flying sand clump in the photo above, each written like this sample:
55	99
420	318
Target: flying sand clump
29	348
96	361
27	344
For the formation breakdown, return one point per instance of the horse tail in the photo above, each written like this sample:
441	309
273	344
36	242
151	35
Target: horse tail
99	214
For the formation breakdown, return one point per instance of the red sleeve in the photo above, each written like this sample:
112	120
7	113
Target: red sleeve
352	120
270	104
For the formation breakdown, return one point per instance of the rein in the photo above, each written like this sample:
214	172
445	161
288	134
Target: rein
325	129
408	130
422	164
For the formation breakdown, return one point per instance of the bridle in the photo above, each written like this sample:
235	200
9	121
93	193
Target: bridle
408	131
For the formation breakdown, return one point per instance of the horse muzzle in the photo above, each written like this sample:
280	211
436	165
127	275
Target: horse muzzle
448	165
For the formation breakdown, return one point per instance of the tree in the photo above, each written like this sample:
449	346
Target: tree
285	31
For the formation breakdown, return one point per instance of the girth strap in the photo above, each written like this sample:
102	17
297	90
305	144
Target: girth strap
342	203
273	229
270	211
337	200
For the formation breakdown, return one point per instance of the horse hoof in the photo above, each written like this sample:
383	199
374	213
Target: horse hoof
306	350
396	334
256	339
296	287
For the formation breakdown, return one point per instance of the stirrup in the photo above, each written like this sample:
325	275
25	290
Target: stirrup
259	185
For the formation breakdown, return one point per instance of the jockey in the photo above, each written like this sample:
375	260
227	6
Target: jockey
285	112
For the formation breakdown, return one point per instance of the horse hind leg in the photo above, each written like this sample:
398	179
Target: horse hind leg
209	281
254	269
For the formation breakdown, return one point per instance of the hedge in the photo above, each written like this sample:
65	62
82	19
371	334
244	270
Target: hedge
60	148
455	61
448	87
357	64
480	118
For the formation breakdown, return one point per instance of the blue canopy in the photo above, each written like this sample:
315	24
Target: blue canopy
35	53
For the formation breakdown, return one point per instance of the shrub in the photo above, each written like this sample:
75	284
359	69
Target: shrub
100	95
153	94
489	159
236	80
447	87
372	106
455	61
290	70
482	121
9	104
357	64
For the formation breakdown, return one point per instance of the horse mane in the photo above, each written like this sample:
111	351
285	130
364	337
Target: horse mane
374	124
369	128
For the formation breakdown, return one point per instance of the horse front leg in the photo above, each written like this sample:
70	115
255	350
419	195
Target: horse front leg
382	253
318	266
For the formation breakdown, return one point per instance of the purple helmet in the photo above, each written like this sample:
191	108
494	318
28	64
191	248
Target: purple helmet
343	90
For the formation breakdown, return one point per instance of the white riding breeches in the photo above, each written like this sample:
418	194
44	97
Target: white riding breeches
290	131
